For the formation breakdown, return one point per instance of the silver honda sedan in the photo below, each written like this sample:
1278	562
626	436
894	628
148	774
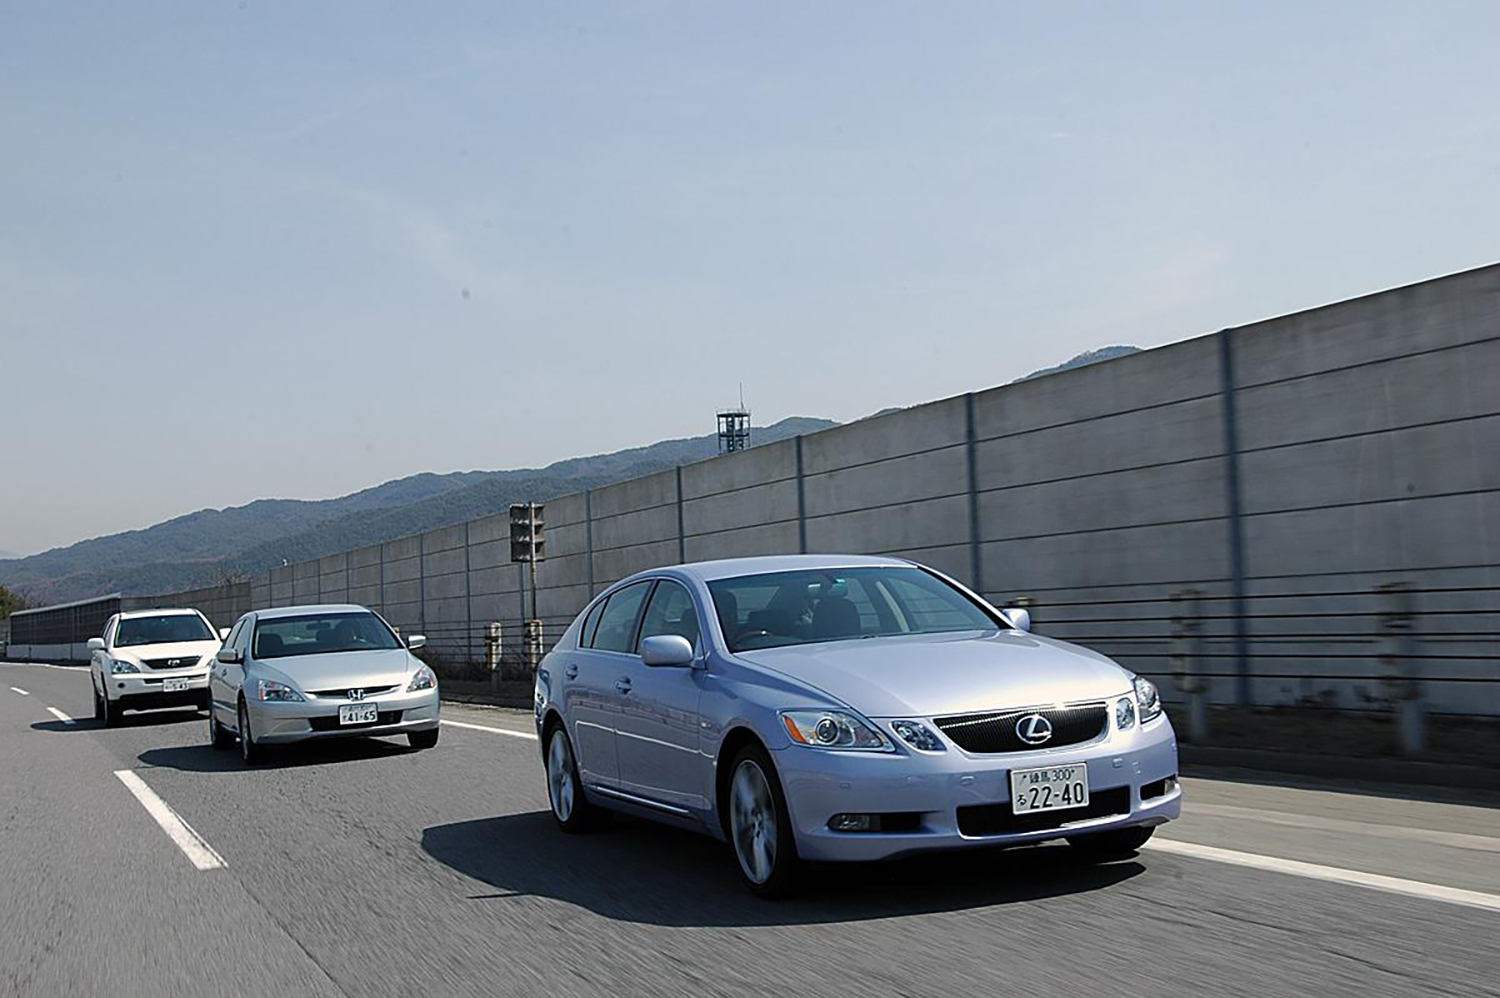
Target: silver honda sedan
304	672
845	708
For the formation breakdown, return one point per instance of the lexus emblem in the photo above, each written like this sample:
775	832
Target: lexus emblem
1034	729
360	695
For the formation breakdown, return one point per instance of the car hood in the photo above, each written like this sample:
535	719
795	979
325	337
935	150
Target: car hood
173	649
931	675
346	669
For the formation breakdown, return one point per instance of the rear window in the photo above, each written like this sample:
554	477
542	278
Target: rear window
320	634
162	630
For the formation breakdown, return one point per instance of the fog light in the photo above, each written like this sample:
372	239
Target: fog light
1125	713
854	823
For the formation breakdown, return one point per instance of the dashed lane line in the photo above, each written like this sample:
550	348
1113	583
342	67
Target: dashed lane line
1331	874
485	727
193	845
64	718
17	689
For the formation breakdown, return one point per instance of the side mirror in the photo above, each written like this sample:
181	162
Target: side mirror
666	649
1018	616
229	656
96	644
223	633
416	641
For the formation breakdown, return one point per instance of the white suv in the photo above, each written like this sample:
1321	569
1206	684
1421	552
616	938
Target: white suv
152	658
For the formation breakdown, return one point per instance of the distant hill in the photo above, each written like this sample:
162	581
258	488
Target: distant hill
211	545
1085	358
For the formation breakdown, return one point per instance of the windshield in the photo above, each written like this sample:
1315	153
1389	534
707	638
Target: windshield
788	608
162	630
321	634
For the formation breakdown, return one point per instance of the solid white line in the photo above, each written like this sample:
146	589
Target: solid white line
190	842
45	665
486	727
17	689
1332	874
64	718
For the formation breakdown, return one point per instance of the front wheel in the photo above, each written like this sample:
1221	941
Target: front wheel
1121	844
570	808
759	826
422	739
218	738
250	753
106	713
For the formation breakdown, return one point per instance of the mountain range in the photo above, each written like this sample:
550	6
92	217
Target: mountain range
212	545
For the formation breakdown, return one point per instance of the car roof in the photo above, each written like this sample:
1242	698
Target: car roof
166	611
728	568
309	608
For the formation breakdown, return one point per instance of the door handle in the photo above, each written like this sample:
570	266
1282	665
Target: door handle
571	672
623	685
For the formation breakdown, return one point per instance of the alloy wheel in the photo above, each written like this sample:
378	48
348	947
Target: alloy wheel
752	822
560	776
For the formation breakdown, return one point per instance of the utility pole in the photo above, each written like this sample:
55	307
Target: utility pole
528	545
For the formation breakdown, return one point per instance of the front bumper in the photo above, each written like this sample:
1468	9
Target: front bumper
143	691
819	784
275	722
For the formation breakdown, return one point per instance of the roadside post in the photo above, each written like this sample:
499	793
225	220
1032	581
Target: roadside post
529	546
1398	666
1187	661
492	653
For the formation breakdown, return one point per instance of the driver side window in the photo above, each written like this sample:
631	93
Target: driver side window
670	611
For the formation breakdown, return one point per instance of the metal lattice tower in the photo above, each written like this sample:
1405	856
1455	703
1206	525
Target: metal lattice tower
734	430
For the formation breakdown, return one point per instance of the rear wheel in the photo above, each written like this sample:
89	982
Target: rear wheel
1120	844
250	753
759	826
570	808
422	739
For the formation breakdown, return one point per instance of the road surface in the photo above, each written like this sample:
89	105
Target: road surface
363	868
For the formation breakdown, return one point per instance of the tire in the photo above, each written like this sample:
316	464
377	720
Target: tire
107	713
570	808
1121	844
218	738
422	739
251	754
759	826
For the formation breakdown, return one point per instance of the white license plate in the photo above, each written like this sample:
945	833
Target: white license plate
1055	788
174	685
359	713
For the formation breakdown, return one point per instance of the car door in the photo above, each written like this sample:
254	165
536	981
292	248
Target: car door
592	688
225	678
658	723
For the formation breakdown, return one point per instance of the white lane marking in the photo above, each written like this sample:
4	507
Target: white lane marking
64	718
1456	840
1332	874
46	665
17	689
486	727
190	842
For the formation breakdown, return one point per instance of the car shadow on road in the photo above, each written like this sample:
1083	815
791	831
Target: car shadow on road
201	758
150	719
639	871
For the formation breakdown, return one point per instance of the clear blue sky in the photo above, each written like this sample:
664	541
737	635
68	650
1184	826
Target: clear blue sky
292	249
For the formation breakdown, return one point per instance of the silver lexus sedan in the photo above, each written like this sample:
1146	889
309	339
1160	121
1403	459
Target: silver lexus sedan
303	672
844	708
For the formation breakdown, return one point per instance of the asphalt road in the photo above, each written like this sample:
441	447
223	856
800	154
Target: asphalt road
363	868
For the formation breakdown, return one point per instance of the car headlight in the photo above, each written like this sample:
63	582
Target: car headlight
119	665
1125	713
270	689
834	729
1148	699
918	736
423	680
